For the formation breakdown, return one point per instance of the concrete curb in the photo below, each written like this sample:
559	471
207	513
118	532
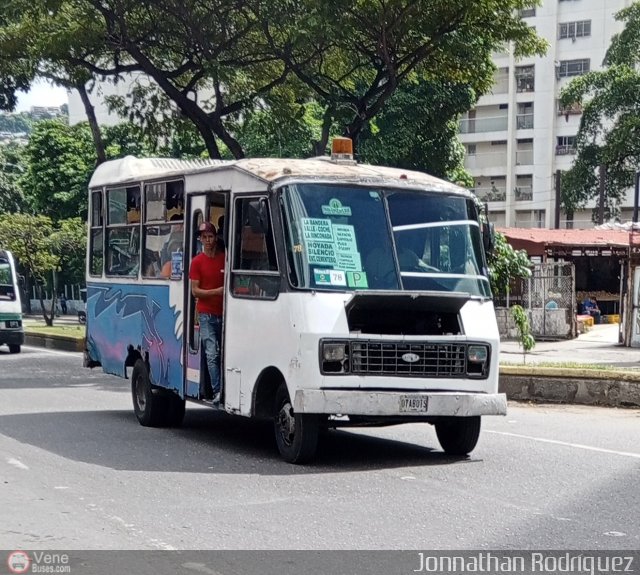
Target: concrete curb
58	342
613	388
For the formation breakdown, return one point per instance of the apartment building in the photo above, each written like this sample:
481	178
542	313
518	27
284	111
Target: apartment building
518	136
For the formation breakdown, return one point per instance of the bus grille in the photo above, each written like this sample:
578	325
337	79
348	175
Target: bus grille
421	359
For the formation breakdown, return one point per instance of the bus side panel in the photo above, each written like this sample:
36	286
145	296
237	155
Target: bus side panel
148	317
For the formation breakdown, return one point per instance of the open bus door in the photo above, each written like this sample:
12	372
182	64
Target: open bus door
201	207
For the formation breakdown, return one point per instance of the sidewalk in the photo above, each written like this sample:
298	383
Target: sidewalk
37	319
598	346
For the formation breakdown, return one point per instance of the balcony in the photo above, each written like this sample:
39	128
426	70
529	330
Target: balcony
565	150
523	193
488	160
524	121
480	125
572	110
494	194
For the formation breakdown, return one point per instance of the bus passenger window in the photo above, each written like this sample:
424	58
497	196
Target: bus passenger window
255	268
123	231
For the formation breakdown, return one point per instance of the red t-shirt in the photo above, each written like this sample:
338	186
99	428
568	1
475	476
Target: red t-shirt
210	273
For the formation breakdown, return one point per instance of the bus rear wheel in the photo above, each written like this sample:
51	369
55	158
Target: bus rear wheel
151	408
14	348
458	435
296	433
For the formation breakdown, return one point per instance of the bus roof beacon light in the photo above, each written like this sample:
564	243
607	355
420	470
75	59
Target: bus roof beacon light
342	149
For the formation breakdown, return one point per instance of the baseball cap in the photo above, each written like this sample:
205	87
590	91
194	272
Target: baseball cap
206	228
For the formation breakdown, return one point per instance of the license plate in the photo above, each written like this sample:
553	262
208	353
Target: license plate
413	404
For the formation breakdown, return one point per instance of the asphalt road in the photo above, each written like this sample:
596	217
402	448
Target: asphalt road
78	472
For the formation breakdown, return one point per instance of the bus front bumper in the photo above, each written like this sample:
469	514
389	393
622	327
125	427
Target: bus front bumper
11	337
393	403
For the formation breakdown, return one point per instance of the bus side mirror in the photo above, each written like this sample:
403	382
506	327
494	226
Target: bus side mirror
258	216
488	237
21	281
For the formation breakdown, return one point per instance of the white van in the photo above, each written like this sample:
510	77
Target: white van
11	330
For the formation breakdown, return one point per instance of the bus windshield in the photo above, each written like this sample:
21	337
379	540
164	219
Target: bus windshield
342	237
7	290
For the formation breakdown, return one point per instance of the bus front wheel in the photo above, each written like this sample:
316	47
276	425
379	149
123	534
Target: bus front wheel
14	348
150	408
458	435
296	433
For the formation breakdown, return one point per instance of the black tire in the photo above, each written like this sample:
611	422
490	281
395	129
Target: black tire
458	435
296	434
151	408
14	348
175	409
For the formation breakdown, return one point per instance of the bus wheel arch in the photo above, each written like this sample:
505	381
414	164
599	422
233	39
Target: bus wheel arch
264	392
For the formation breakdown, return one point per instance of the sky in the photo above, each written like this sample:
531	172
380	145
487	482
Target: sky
41	94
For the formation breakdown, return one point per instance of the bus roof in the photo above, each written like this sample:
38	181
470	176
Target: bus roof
131	169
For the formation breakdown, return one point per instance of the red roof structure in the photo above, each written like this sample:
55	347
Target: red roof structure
542	241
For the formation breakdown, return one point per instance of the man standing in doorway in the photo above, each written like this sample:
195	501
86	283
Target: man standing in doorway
207	284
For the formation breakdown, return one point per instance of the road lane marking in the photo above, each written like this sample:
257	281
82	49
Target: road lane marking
16	463
567	444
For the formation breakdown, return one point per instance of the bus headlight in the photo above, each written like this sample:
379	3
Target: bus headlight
333	351
477	357
333	355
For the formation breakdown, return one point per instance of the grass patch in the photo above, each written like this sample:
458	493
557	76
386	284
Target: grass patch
76	331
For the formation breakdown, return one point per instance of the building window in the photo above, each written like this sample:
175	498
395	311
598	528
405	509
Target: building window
569	68
524	117
525	78
576	29
527	12
471	149
565	145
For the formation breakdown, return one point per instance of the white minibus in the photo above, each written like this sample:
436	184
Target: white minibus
354	295
11	329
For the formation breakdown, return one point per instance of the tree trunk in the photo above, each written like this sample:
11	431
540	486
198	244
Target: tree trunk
48	320
89	110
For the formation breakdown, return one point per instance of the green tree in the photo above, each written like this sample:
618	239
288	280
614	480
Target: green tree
609	131
59	159
29	238
11	167
215	60
505	265
68	243
354	55
263	133
418	130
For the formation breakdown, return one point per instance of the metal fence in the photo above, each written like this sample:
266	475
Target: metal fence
549	296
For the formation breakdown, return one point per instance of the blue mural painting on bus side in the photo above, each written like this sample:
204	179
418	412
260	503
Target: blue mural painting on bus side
147	316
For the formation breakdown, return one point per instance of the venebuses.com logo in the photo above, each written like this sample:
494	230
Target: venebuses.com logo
18	562
38	562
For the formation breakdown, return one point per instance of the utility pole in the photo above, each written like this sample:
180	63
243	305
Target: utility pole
603	172
635	199
556	223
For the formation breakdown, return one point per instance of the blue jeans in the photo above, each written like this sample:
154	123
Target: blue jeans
210	336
